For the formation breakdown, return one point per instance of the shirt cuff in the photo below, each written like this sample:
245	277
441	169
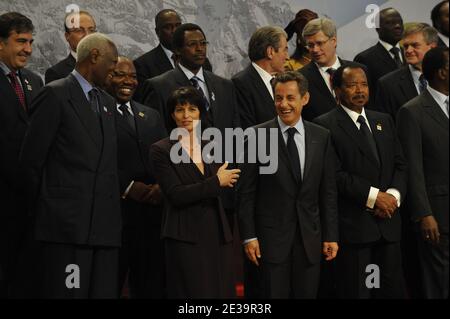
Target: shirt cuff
249	240
394	192
372	198
125	194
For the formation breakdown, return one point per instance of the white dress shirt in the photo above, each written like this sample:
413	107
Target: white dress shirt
373	192
439	98
200	76
326	76
265	76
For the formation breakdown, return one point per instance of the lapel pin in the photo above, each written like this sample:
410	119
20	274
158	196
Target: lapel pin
213	96
141	114
379	127
105	109
29	88
26	81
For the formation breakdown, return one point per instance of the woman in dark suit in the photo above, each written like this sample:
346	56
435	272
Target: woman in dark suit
195	230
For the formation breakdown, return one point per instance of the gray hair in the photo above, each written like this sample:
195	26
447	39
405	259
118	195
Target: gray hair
97	41
429	33
327	26
263	38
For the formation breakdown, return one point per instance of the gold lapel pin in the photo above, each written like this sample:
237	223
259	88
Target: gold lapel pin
29	88
379	127
141	114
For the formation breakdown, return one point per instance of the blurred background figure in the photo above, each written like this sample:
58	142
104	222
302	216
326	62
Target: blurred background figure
301	56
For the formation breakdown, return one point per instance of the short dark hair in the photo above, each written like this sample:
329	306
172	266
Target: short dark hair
434	60
336	80
436	12
183	96
14	21
302	81
178	35
80	13
161	13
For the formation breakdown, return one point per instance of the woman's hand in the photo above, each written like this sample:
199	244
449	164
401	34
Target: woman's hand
227	177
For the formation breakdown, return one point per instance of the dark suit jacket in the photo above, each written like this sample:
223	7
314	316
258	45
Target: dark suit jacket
133	157
321	100
185	193
151	64
60	70
271	206
255	103
357	171
378	61
221	93
13	125
70	158
423	131
394	90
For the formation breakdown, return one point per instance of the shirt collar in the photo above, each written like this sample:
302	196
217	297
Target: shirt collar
168	53
389	46
443	38
415	73
265	76
85	85
299	126
128	104
354	115
335	66
74	54
190	75
438	96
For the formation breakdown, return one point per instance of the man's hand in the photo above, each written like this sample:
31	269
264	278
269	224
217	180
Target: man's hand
138	192
381	214
330	249
430	230
252	251
387	203
154	196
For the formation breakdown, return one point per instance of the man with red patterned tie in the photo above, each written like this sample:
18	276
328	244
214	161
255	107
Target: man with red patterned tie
17	88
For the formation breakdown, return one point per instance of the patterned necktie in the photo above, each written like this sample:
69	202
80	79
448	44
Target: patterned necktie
331	72
396	52
446	106
93	100
293	154
368	137
128	116
194	81
423	84
18	89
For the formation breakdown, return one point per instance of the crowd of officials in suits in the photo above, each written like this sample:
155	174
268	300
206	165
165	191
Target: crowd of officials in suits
93	200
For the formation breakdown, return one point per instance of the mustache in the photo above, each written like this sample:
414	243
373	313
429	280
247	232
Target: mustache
359	96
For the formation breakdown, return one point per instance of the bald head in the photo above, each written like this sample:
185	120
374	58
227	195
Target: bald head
391	26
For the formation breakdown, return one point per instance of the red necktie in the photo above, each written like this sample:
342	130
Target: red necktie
18	89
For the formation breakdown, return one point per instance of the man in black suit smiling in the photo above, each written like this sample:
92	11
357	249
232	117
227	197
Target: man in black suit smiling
70	158
138	127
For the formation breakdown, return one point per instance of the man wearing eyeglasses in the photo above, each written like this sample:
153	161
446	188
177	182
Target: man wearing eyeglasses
321	40
77	25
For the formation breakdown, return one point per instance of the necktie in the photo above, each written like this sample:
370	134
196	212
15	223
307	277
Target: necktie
446	107
93	100
331	72
396	52
422	83
293	154
368	137
194	81
128	116
18	89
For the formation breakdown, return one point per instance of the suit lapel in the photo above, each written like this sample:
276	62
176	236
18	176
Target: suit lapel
10	95
310	151
407	85
434	110
163	61
260	86
376	126
27	87
385	57
83	109
210	84
320	82
349	127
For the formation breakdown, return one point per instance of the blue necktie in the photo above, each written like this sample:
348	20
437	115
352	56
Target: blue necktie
194	81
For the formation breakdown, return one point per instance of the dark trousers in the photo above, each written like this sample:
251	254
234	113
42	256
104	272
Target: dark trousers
98	271
295	278
434	262
351	265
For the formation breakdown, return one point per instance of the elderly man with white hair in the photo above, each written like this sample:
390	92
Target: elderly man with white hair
70	159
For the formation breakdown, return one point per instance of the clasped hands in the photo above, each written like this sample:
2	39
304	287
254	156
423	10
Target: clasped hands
147	194
385	205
